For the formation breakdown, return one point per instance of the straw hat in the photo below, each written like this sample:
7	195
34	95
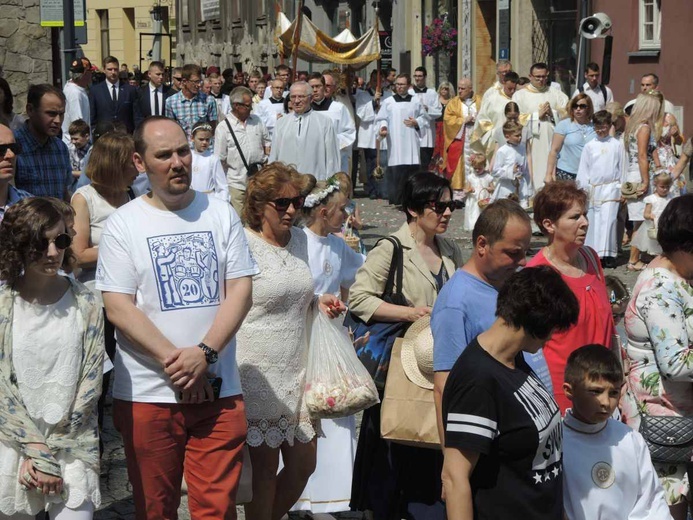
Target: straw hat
417	353
629	190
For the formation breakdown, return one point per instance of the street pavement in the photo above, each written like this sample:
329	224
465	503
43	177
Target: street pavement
379	219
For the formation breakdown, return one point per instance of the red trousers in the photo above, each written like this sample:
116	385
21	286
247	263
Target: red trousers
164	441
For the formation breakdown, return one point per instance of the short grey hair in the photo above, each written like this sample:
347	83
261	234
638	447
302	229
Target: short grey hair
501	63
239	93
303	85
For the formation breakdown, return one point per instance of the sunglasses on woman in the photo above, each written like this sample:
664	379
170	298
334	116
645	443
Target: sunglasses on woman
580	106
439	207
62	241
283	203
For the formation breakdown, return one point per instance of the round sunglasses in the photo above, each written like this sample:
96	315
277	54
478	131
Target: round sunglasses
62	241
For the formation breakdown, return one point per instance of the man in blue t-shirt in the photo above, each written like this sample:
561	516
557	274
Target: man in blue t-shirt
466	306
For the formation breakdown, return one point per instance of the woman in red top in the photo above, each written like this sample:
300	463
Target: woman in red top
560	212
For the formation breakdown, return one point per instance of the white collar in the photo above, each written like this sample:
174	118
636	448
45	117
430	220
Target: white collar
577	425
152	87
111	85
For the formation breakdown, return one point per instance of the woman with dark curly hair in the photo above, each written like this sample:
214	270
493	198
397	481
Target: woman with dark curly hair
272	342
51	357
560	211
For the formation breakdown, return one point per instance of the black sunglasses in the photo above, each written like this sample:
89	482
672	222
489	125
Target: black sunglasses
440	207
62	241
283	203
580	105
178	78
15	148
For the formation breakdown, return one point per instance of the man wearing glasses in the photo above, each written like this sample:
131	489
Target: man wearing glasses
9	150
541	107
306	138
190	105
176	79
241	142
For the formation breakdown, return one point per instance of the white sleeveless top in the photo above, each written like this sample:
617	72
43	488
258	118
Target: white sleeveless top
99	211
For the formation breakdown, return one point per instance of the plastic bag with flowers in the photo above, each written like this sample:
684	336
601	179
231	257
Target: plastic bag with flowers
440	36
337	383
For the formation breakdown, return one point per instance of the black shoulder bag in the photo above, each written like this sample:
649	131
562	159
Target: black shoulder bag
375	353
252	169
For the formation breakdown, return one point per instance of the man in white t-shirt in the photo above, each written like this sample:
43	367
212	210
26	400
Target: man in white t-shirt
176	275
598	93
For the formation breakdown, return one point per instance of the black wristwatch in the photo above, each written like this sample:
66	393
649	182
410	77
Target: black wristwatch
211	355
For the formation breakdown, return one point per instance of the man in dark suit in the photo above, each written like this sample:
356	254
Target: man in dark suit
151	98
113	100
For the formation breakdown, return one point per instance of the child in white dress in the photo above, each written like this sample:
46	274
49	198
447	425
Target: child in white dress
207	173
607	469
511	169
333	265
601	171
654	206
478	190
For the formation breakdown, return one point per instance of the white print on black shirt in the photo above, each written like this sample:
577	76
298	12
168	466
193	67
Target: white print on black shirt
543	411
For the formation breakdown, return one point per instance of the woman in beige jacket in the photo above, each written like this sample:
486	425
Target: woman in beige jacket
392	480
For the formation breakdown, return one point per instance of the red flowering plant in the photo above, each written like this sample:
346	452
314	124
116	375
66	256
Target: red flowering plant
440	36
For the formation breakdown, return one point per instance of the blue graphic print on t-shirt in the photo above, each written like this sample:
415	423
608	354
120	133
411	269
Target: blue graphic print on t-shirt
187	270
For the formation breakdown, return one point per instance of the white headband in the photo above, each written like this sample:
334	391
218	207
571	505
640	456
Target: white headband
315	199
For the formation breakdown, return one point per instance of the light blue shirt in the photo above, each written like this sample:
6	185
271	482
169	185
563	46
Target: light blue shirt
575	138
466	307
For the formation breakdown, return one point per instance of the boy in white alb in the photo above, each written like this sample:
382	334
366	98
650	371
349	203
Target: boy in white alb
511	167
176	274
607	470
602	167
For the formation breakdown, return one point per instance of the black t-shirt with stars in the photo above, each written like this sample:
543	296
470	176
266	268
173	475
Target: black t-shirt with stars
509	418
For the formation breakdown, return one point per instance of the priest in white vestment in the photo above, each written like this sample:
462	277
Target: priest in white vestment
306	139
338	112
368	137
491	115
502	68
401	118
541	107
271	109
431	104
602	169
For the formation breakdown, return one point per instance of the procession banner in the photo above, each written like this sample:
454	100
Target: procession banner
317	47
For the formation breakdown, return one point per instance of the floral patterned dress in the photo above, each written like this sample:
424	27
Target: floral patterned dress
658	359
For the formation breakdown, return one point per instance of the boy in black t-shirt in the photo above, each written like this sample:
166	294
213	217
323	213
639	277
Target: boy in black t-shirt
502	427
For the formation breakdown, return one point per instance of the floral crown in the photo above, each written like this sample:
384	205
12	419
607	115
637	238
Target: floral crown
317	198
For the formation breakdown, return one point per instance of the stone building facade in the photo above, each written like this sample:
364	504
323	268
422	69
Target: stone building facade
25	48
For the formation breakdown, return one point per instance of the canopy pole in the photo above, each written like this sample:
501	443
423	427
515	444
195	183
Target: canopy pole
379	63
297	41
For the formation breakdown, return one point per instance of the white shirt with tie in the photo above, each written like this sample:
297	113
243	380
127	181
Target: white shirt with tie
154	93
113	93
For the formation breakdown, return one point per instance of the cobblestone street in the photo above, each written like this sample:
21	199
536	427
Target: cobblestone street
379	219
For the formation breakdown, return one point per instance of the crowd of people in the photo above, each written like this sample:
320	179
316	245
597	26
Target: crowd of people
170	240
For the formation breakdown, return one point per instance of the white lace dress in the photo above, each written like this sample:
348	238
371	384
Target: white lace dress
272	344
46	355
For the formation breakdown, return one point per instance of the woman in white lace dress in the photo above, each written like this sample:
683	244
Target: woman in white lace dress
272	343
51	357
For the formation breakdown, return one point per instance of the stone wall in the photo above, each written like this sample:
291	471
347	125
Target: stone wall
25	48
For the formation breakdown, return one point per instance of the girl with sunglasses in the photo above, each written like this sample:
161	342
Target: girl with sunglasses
569	138
396	481
51	357
272	342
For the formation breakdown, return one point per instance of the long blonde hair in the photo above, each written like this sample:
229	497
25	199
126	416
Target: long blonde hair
648	109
